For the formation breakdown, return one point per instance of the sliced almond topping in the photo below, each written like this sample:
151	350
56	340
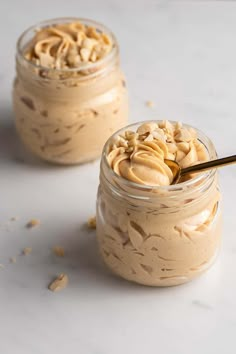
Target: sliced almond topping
89	43
73	57
59	283
130	149
68	45
172	148
165	124
93	56
92	33
183	135
106	39
183	146
147	128
178	125
170	156
130	135
122	142
149	138
140	156
180	155
80	37
85	54
159	134
46	60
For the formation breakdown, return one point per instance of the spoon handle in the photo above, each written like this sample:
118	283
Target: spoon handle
209	165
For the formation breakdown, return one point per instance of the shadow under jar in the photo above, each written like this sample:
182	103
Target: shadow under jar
158	236
65	115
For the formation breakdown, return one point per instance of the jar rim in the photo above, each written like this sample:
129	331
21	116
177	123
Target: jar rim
203	176
86	66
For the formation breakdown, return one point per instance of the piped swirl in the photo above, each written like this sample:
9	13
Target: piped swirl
67	45
139	156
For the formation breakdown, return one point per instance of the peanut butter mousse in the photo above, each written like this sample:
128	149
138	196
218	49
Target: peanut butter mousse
70	94
67	45
139	156
148	231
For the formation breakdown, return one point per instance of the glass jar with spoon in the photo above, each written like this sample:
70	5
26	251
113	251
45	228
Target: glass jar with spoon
149	230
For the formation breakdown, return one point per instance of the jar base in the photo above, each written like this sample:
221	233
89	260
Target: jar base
162	281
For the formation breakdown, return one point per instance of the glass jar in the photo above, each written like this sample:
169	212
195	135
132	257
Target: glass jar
158	236
65	116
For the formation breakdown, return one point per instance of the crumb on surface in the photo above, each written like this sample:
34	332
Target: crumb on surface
13	259
14	218
92	222
59	283
59	251
27	250
150	104
33	223
1	266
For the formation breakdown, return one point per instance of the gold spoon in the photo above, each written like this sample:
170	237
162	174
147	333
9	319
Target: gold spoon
179	172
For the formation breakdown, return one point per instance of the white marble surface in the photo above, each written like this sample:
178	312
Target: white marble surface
181	55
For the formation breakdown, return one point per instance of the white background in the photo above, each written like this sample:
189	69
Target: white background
182	56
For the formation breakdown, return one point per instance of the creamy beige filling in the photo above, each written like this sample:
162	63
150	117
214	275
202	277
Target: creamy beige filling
152	248
139	156
71	124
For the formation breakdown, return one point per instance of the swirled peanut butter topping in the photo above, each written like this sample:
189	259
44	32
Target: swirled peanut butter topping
140	156
68	45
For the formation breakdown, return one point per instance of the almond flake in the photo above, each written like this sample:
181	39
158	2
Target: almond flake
59	283
85	54
33	223
14	218
106	39
27	250
92	222
149	138
59	251
150	104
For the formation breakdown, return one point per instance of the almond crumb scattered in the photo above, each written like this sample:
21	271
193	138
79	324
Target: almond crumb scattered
13	259
59	251
92	222
1	266
14	218
150	104
27	250
33	223
59	283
